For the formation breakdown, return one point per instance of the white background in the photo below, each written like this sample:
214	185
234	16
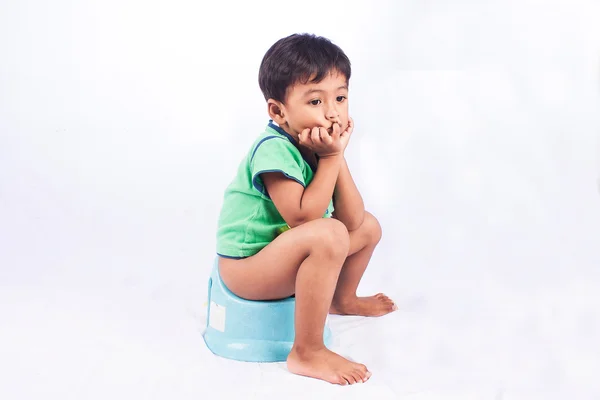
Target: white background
476	146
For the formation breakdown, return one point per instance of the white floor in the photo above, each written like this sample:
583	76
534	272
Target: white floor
476	146
492	320
473	336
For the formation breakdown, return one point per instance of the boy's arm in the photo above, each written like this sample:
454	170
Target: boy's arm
348	203
297	204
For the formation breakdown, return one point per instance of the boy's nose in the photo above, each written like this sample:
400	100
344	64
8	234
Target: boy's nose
333	116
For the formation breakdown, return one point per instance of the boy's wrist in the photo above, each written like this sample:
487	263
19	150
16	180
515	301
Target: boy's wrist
337	156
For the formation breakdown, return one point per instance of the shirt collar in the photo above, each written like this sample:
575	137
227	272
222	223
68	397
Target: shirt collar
279	130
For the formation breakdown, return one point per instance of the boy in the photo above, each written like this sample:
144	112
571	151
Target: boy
293	221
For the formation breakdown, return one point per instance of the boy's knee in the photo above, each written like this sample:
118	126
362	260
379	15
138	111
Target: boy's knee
372	228
332	237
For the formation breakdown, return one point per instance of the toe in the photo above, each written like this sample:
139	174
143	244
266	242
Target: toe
349	378
361	367
385	300
360	375
362	371
357	377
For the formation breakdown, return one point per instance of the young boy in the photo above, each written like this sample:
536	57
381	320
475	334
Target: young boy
293	221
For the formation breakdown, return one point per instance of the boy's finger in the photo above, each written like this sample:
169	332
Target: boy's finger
302	136
325	136
315	135
307	135
308	142
349	128
336	130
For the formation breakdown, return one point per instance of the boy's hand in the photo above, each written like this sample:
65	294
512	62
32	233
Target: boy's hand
325	144
345	136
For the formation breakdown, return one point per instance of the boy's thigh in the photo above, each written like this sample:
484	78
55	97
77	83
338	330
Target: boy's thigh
271	273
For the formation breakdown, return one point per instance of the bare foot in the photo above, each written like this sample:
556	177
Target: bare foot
326	365
372	306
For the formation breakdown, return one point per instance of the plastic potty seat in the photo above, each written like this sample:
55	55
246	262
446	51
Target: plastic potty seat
245	330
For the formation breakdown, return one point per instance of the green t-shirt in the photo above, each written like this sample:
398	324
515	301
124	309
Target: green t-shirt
249	219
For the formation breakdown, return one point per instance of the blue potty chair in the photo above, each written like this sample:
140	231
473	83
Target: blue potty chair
244	330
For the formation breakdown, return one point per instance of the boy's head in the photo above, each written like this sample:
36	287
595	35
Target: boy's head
304	79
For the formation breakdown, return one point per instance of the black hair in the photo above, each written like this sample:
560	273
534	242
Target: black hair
298	58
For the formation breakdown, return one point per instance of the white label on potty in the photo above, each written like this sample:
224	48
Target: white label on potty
217	316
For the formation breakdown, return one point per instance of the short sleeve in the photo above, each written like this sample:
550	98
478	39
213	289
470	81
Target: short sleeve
275	154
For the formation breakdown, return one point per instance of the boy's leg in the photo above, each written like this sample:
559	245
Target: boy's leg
304	261
362	244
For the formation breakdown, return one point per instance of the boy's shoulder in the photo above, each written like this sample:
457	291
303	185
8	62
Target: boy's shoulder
273	139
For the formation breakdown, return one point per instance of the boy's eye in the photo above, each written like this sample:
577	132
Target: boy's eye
341	98
315	102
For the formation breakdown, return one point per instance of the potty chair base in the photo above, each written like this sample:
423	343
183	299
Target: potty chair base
244	330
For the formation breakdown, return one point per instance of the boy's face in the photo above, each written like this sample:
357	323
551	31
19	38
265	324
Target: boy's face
316	105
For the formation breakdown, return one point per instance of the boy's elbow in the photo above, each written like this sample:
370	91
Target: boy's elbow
296	219
302	218
295	222
299	221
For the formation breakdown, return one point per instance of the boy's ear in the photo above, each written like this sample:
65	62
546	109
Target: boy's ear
276	111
